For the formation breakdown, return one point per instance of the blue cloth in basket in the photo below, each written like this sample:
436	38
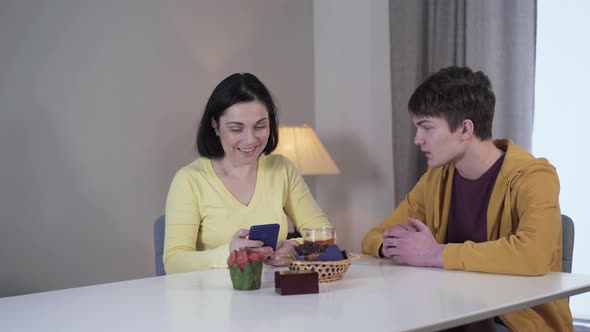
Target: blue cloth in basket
333	253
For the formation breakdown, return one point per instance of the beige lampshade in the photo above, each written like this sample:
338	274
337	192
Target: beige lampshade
303	147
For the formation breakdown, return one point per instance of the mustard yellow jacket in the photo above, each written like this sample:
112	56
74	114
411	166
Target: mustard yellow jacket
523	229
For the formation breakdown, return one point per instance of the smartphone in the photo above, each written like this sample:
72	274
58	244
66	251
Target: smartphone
267	233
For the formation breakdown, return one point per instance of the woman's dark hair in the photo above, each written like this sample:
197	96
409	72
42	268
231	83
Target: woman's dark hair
456	94
236	88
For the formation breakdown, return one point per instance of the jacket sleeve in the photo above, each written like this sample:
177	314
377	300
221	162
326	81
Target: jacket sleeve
411	206
300	206
533	246
183	219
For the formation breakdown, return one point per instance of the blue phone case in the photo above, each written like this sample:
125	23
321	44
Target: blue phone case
267	233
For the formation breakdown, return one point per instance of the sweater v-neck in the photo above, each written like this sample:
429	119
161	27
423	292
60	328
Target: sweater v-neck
229	195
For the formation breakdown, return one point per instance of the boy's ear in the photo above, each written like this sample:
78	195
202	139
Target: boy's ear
467	128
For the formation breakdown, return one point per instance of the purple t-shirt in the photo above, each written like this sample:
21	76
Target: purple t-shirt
469	205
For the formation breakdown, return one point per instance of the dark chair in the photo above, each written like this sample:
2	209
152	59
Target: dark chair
567	233
159	227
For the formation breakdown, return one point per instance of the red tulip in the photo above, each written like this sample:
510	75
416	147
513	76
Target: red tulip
241	259
231	259
255	256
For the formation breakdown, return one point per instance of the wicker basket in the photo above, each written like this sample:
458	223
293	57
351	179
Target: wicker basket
327	271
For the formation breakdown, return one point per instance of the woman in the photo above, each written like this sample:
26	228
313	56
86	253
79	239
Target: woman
235	183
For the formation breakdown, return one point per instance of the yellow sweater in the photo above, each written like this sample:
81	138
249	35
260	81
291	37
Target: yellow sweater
202	215
523	229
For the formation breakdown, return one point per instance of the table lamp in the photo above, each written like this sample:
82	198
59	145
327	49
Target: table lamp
303	147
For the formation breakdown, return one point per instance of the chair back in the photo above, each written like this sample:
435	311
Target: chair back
159	228
567	233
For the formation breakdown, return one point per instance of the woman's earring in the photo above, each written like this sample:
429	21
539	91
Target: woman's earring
216	131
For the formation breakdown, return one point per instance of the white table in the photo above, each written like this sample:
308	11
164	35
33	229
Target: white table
374	295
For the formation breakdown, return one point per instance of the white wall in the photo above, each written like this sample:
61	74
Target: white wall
99	102
353	113
562	116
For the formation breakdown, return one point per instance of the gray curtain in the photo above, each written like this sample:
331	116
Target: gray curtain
497	37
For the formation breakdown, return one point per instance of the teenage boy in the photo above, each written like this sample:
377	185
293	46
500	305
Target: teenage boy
483	205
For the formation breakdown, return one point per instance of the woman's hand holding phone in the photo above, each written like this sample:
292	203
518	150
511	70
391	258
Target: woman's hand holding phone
240	240
263	238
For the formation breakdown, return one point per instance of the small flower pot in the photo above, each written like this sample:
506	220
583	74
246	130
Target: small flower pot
247	279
